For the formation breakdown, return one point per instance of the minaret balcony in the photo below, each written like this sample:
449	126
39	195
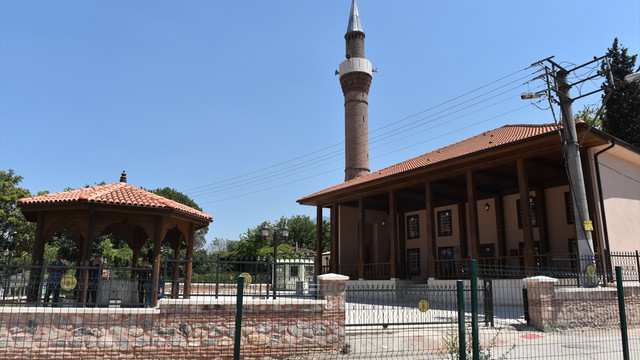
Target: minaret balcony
355	64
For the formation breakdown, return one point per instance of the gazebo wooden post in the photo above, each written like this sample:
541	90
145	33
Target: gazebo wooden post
134	262
84	261
37	260
157	245
189	268
175	272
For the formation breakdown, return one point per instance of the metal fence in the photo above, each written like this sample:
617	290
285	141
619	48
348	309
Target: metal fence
490	313
131	286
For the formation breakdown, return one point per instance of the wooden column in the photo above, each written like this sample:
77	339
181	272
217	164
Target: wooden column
472	201
499	210
318	269
85	260
335	248
189	266
525	212
175	271
134	263
157	244
430	233
462	226
393	235
541	216
37	261
361	229
402	243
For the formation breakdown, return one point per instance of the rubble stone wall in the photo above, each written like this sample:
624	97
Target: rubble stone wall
184	329
553	307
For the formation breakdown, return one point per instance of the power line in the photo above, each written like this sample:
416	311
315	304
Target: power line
320	158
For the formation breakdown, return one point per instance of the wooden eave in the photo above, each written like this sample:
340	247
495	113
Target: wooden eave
529	148
31	211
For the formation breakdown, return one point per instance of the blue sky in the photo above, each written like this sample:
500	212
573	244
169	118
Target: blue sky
235	103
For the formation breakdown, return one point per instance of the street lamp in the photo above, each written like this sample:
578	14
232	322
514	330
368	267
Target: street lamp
531	95
265	233
632	77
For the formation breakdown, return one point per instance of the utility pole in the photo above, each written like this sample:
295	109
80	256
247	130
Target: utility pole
573	164
574	169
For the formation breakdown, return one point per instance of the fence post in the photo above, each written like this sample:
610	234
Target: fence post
43	270
461	338
238	330
623	315
525	305
638	264
475	342
488	302
7	281
217	274
317	261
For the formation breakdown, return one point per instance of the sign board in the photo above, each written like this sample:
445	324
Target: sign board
423	305
588	225
68	282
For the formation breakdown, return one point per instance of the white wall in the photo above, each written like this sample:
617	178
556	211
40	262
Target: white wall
620	179
513	235
558	229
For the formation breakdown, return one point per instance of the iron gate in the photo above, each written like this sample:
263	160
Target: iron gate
407	319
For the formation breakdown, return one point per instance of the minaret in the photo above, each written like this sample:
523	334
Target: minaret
355	79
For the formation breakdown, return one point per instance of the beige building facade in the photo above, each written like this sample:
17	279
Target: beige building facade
413	219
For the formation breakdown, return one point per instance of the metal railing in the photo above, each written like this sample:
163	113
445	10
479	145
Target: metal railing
506	267
104	286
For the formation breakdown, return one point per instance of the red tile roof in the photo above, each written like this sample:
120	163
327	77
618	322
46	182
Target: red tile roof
502	136
116	194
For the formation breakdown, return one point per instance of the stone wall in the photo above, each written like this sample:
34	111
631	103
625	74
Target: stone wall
184	329
553	308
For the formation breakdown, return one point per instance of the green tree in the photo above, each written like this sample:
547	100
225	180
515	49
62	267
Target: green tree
175	195
252	242
622	111
588	115
16	233
302	231
220	245
117	253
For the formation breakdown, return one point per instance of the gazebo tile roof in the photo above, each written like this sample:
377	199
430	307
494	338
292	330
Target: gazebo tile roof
116	194
501	136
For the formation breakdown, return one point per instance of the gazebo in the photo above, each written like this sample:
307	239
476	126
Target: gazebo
121	209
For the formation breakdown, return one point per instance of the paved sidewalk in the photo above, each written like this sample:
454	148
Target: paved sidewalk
370	334
512	342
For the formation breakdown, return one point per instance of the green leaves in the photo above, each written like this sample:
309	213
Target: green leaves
622	112
16	233
302	232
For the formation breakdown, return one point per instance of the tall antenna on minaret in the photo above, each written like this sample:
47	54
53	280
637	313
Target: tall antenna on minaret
355	79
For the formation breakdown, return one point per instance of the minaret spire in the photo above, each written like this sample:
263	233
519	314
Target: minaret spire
354	19
355	79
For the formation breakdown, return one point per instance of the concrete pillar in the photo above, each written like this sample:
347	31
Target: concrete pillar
541	294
